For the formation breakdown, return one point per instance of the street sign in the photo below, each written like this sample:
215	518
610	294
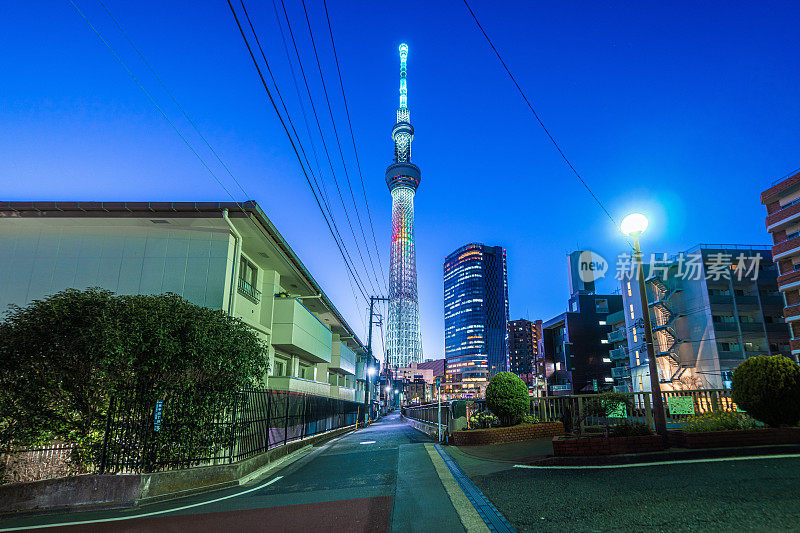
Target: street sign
680	405
617	410
157	416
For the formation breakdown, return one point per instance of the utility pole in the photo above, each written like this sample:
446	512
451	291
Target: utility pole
372	300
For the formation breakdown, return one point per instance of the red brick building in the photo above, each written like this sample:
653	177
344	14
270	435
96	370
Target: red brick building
783	223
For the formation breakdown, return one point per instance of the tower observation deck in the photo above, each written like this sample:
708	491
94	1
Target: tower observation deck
404	344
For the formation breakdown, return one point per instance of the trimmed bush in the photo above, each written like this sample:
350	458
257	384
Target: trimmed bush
483	420
718	421
507	397
530	420
768	388
631	429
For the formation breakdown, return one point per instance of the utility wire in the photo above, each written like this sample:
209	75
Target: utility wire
536	116
297	136
324	144
355	150
294	148
338	142
155	104
174	100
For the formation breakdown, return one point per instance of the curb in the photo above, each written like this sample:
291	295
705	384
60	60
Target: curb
668	455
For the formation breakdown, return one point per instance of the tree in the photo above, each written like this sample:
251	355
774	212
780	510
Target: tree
64	357
507	397
768	388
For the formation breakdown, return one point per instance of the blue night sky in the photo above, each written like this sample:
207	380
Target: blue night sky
683	111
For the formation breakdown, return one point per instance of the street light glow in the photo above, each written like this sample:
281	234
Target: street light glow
371	371
634	224
388	389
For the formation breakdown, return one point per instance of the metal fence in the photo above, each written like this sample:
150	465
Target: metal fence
36	463
149	431
568	408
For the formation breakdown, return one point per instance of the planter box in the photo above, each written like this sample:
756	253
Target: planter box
601	445
478	437
735	438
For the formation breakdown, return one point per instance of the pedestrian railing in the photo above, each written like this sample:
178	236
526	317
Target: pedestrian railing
678	406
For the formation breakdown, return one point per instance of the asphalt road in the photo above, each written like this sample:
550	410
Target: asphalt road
742	495
378	478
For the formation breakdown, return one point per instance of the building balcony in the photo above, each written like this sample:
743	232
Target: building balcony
621	372
361	396
618	353
343	393
752	327
297	331
792	313
248	291
779	187
361	370
342	358
789	278
786	248
783	217
794	344
305	386
617	335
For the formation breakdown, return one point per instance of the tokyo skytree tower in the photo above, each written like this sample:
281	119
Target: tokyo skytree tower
402	177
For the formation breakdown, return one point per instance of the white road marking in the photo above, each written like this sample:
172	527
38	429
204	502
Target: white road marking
367	442
661	463
144	515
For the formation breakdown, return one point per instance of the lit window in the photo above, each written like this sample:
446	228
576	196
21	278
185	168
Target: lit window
603	341
609	379
602	322
606	360
558	366
629	289
631	308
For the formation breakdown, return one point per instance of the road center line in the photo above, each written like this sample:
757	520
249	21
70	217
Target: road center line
144	515
659	463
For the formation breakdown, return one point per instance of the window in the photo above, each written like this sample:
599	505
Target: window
279	367
629	289
601	305
248	280
602	322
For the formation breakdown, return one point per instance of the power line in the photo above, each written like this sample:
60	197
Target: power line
299	143
539	120
174	99
324	144
355	150
294	148
338	142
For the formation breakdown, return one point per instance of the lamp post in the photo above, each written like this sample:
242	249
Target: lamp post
370	372
634	225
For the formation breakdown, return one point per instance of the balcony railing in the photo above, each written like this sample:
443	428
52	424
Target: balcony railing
617	335
786	246
618	353
248	291
621	372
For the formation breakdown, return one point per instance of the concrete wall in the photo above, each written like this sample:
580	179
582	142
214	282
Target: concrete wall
37	260
295	329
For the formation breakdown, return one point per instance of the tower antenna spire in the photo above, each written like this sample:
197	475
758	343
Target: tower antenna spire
402	178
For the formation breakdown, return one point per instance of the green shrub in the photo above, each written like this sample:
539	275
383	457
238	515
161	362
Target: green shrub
483	420
65	356
718	421
507	397
530	420
768	388
631	429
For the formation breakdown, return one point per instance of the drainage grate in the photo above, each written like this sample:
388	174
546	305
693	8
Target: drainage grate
493	518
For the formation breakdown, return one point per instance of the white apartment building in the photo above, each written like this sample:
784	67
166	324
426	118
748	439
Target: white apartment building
220	255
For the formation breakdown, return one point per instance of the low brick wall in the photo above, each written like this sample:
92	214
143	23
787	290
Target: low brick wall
478	437
586	446
736	438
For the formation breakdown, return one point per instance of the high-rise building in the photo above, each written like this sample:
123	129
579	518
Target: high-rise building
404	344
783	223
475	318
523	351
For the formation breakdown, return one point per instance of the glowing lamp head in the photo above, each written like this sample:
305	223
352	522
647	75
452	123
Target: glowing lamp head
388	389
371	371
395	391
634	224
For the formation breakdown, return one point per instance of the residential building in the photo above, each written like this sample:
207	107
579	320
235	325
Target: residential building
225	256
475	318
437	365
575	345
711	307
618	351
783	223
523	352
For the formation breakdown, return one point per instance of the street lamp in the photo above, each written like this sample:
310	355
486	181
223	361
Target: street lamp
634	225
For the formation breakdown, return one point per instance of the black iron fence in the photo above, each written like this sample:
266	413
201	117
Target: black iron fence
150	431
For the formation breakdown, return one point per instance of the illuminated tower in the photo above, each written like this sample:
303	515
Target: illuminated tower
402	177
